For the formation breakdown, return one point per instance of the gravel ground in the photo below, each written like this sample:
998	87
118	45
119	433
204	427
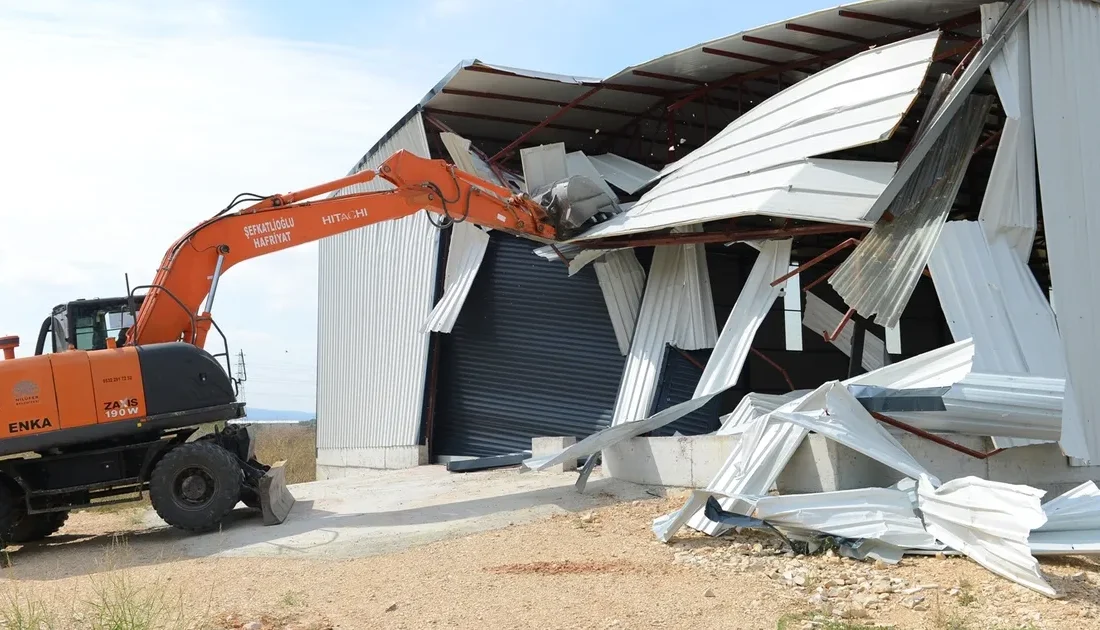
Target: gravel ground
598	569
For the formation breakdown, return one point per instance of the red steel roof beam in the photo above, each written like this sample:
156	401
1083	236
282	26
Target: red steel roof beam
840	53
540	101
518	121
908	24
666	77
718	237
813	30
782	45
732	55
545	123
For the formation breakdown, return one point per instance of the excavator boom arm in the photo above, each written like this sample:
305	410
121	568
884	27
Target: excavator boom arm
192	266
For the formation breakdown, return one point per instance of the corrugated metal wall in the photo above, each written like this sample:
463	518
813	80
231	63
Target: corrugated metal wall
1065	74
375	290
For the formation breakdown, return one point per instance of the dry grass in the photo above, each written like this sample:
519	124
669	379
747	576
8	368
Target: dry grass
112	598
297	444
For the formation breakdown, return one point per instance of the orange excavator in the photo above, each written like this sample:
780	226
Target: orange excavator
104	415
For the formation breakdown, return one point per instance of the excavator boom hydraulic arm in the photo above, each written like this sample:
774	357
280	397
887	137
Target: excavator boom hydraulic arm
192	266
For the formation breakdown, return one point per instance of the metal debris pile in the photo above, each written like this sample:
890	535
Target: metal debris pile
1007	376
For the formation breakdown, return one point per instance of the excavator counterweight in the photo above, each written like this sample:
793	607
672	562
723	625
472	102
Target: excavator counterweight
111	404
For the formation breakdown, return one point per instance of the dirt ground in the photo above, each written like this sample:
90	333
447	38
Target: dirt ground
595	569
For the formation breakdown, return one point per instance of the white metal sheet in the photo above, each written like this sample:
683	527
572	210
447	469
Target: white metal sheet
846	421
543	165
882	514
1065	44
989	521
577	163
757	164
938	123
600	440
382	277
696	329
969	290
464	256
626	175
1077	509
880	275
765	447
662	306
828	102
751	407
988	293
1009	208
755	300
836	191
821	318
750	470
1010	405
466	160
622	281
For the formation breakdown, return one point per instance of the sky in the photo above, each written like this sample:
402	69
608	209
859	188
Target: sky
125	123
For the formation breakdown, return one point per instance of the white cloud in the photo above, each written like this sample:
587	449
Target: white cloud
128	123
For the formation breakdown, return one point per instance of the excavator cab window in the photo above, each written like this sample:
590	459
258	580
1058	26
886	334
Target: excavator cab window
92	322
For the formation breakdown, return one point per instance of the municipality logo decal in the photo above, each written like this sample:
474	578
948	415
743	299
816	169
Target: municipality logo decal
25	389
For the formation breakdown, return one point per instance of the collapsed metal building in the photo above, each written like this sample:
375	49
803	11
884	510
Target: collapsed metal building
786	207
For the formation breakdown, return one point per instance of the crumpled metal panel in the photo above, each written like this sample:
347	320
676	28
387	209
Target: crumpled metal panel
758	163
989	521
598	441
751	407
464	256
577	163
832	191
622	280
882	514
989	294
1009	405
820	318
844	420
1078	509
752	467
1064	36
765	447
626	175
1009	209
696	329
939	119
880	275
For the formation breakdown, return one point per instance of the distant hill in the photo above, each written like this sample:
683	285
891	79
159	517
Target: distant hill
257	414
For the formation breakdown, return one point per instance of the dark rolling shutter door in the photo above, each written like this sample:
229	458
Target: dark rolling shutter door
532	354
678	381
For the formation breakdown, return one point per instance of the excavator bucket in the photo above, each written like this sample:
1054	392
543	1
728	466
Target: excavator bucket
275	498
571	204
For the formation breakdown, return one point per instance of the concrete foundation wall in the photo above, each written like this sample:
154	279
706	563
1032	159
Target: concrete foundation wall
820	464
335	463
684	462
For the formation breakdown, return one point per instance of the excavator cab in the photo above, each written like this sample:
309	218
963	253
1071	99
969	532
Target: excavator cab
87	324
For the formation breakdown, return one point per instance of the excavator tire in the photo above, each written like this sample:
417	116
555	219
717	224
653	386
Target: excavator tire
195	485
34	527
12	510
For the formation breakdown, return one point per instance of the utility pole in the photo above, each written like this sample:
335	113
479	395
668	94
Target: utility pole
242	375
